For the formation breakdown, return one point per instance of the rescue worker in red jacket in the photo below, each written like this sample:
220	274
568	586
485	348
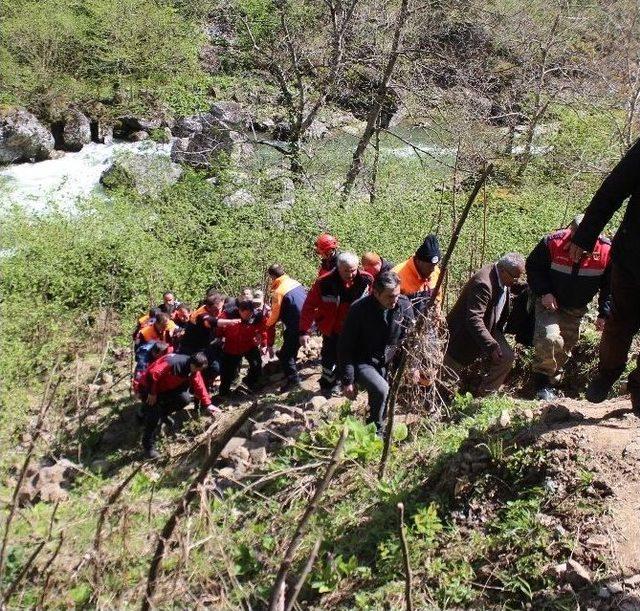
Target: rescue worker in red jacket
182	315
166	388
374	264
242	339
563	290
327	305
327	249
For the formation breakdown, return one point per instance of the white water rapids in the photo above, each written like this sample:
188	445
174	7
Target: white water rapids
40	186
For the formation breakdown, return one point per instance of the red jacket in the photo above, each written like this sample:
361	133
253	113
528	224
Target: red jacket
171	372
329	300
574	285
243	336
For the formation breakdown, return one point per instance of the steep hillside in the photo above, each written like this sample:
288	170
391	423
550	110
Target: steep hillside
505	503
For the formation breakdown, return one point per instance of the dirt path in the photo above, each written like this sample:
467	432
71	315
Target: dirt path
609	435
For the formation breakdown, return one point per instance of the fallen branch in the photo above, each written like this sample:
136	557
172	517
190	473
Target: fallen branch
397	377
405	558
312	507
192	491
303	576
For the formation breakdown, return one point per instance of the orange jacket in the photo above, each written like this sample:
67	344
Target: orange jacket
150	334
411	282
279	288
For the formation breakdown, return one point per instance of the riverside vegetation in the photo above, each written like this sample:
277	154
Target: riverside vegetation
72	284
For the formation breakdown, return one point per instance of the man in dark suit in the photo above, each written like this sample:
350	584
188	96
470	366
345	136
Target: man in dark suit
477	320
370	342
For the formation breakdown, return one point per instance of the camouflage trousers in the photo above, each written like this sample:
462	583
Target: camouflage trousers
555	335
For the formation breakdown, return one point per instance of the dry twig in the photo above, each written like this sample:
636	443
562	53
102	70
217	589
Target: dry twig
192	491
312	507
405	558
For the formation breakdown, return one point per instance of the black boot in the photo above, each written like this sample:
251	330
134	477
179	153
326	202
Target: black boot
544	390
598	389
289	385
151	424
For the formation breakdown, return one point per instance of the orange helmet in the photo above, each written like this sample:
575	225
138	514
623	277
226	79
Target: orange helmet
326	243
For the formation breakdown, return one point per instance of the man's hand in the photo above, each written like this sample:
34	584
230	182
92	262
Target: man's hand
305	341
151	400
496	354
350	391
549	302
576	252
600	322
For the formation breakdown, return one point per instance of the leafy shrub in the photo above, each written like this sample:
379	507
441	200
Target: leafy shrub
141	54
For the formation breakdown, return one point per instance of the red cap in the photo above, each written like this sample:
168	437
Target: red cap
325	243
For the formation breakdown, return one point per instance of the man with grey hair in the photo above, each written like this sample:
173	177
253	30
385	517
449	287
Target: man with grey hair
476	322
563	290
327	305
369	342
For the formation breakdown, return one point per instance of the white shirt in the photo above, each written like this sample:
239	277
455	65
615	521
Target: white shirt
503	297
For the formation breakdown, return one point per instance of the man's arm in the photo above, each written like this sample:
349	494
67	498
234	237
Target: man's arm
200	389
621	182
538	266
477	303
309	309
276	304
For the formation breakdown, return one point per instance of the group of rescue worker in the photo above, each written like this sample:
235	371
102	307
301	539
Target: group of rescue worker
363	308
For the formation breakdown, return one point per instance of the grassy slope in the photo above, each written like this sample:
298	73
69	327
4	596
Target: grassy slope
187	239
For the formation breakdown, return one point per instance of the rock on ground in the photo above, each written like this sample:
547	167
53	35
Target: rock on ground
145	173
76	131
23	137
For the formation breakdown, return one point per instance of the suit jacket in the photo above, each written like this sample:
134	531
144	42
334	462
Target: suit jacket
472	320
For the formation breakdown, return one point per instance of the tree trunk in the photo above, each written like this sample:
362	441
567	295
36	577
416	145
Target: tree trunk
358	156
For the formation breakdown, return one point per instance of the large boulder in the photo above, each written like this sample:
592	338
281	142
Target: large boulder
230	113
202	148
76	131
147	174
23	137
202	138
126	126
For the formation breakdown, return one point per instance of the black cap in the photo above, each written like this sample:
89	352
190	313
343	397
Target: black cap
430	250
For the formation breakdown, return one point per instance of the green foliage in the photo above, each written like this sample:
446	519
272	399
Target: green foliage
426	523
330	573
362	441
140	54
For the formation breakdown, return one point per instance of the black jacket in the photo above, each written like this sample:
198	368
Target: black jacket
622	182
549	270
367	338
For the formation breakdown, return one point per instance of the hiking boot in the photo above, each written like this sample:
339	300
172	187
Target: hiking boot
331	391
151	453
289	385
598	389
